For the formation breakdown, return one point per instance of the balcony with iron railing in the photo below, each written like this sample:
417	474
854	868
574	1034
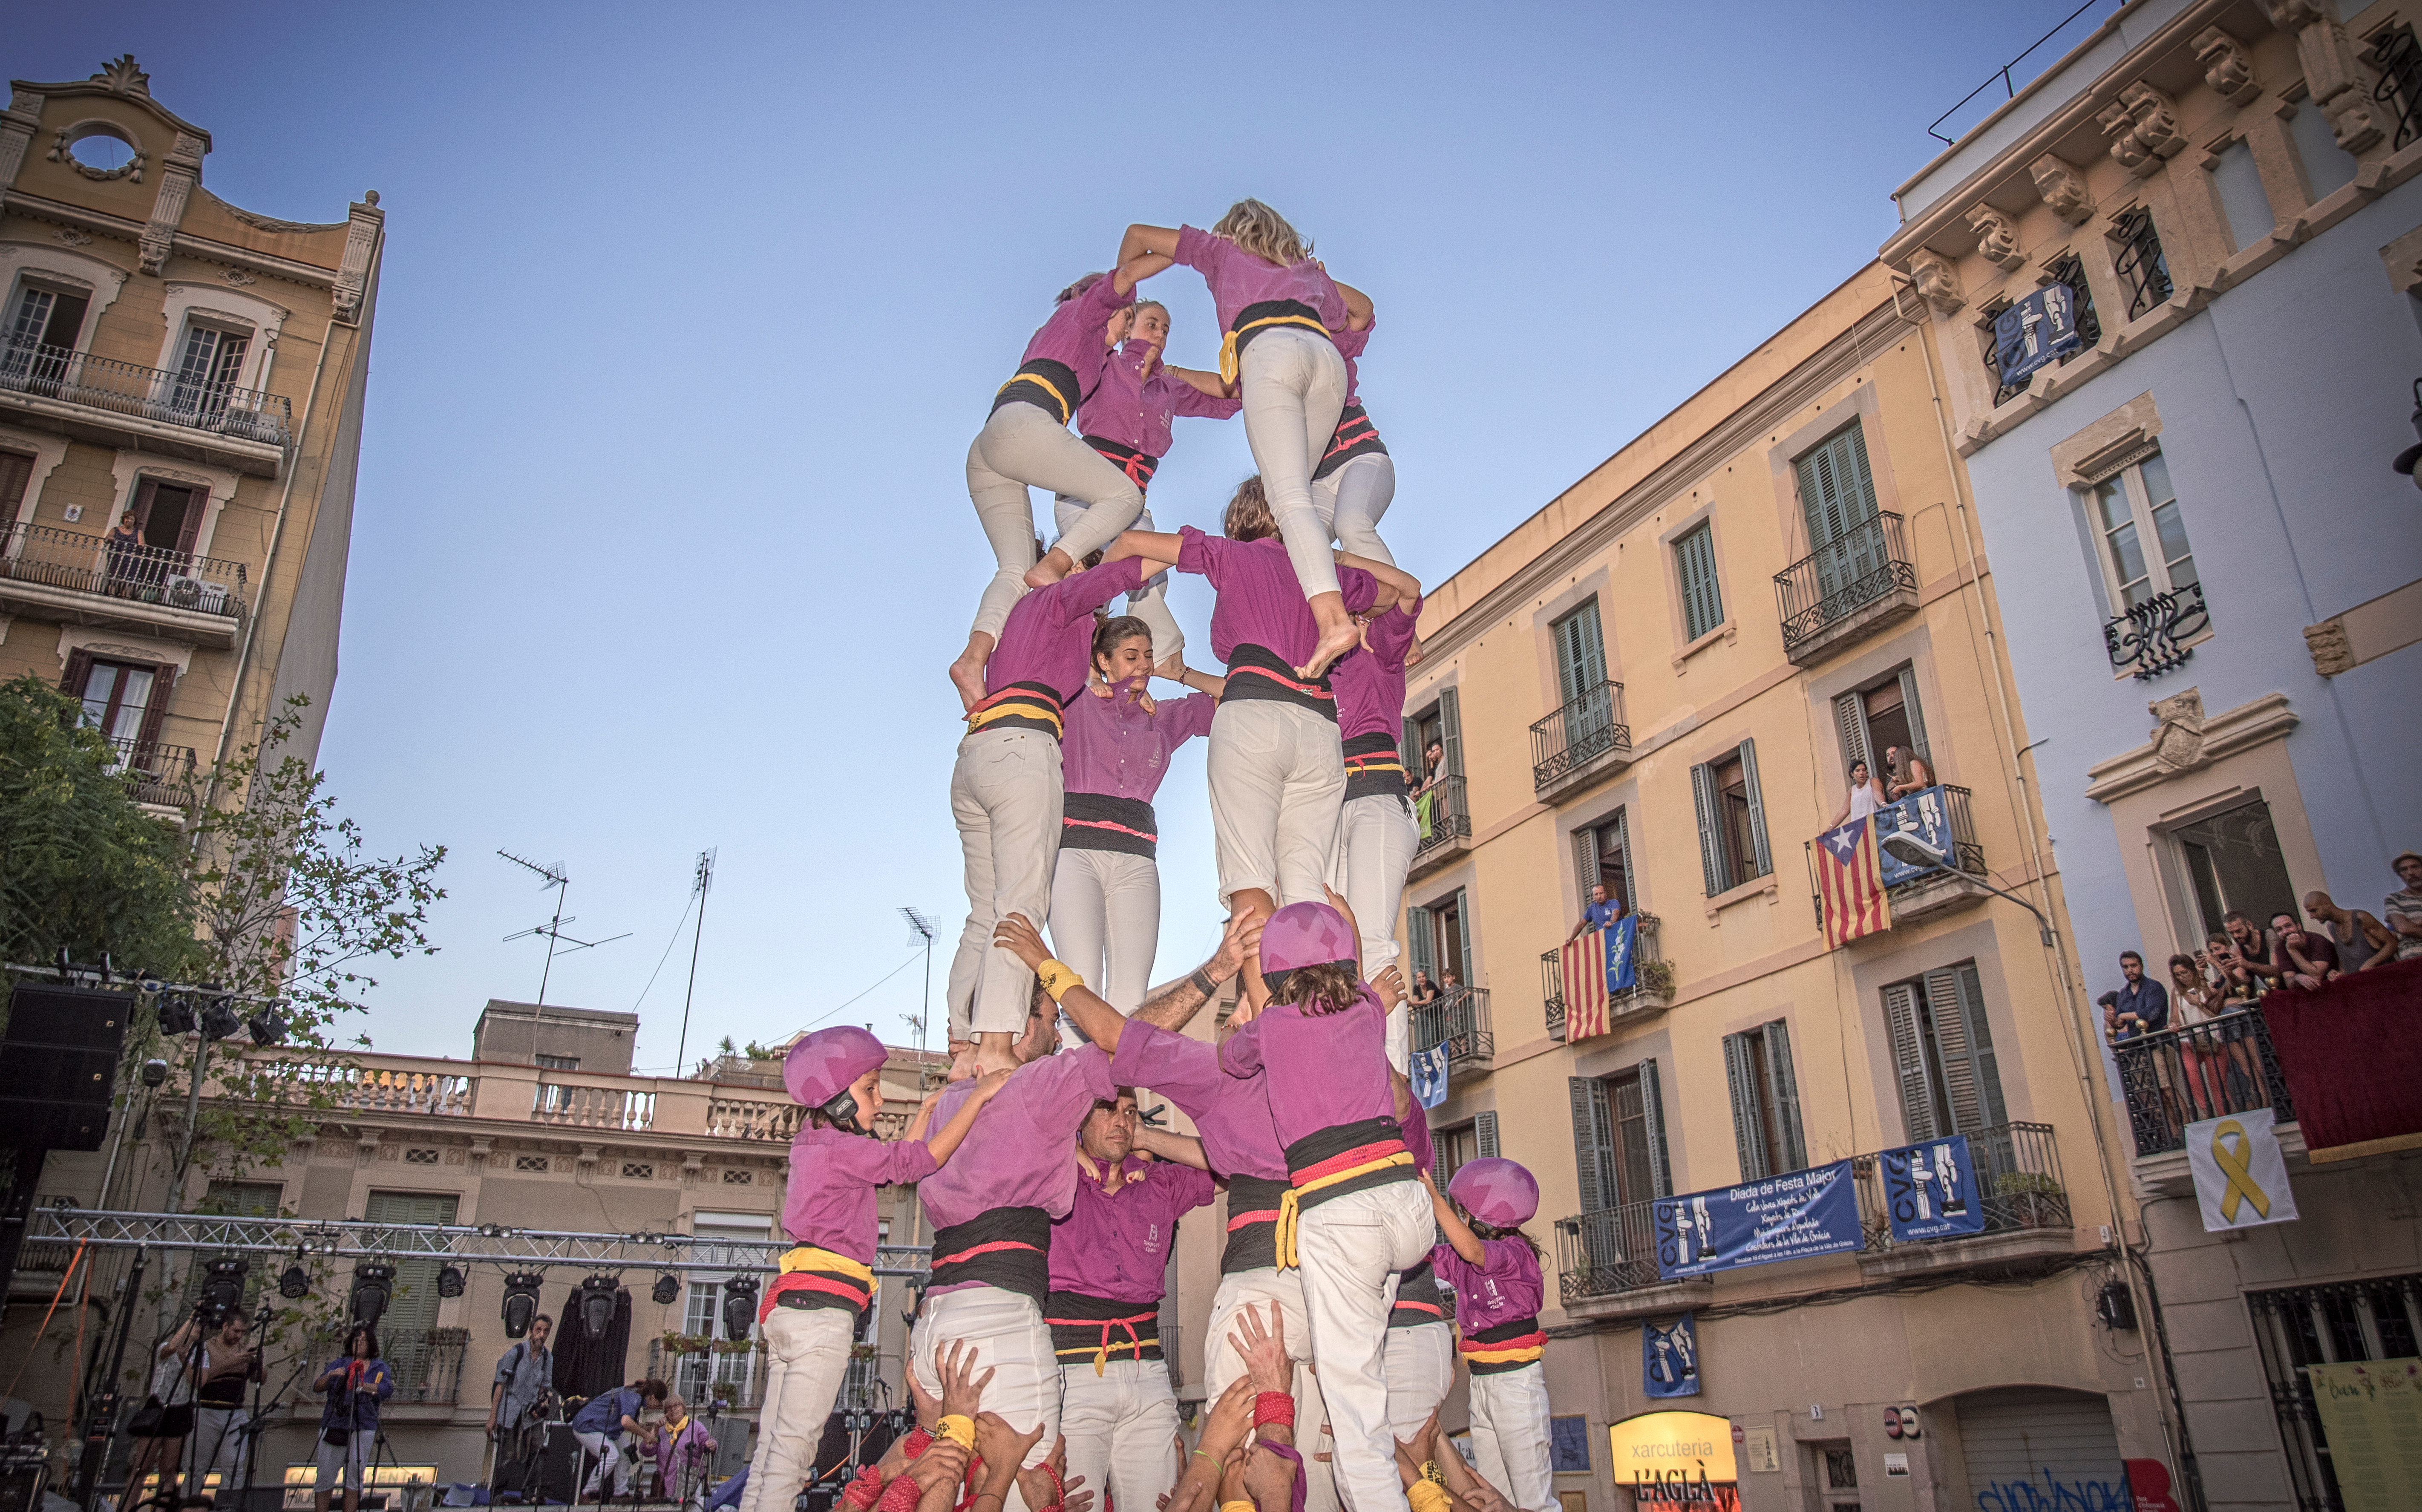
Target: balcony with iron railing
47	573
1652	982
158	775
1849	588
2182	1076
116	403
1443	819
1458	1021
428	1366
1582	741
1920	898
2157	636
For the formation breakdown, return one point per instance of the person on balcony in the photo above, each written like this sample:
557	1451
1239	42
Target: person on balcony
2401	910
2311	959
1375	832
1599	912
1866	796
2258	955
2362	940
2144	1004
1908	772
122	549
1426	792
2194	999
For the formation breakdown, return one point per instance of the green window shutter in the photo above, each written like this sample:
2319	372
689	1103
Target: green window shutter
1463	939
1962	1073
1980	1043
1651	1101
1762	864
403	1331
1916	718
1586	863
1420	925
1837	492
1783	1091
1910	1066
1451	731
1748	1134
1593	1142
1410	749
1623	840
1711	839
1850	718
1702	600
1581	651
1484	1135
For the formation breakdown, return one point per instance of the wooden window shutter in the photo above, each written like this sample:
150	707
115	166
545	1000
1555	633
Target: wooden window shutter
1450	731
1581	651
1836	490
1960	1085
1783	1091
140	504
1980	1043
1586	863
1623	840
1593	1142
1711	839
1749	1135
1703	604
198	503
78	671
1484	1135
1411	749
16	470
1763	863
1916	719
155	713
1850	717
1420	925
1463	937
1652	1102
1908	1063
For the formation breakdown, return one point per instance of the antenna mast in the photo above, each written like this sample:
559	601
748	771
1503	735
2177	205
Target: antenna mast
923	928
551	876
701	881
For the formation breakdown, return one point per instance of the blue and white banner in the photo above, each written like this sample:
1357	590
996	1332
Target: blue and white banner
1621	937
1930	1191
1669	1359
1924	814
1808	1212
1429	1075
2035	332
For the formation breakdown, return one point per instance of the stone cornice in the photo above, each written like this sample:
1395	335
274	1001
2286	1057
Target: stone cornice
2185	740
119	227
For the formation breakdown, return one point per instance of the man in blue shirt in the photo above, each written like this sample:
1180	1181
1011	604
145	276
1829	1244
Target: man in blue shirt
2144	1005
599	1427
1598	913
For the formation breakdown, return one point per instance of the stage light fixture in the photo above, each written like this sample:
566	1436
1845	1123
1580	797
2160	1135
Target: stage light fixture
295	1283
267	1027
668	1289
219	1018
155	1072
373	1288
222	1289
449	1281
739	1307
521	1301
177	1014
596	1303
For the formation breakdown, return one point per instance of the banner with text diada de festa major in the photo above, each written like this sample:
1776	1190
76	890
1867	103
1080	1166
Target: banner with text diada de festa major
1808	1212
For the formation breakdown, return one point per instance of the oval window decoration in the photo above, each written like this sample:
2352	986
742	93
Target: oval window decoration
99	150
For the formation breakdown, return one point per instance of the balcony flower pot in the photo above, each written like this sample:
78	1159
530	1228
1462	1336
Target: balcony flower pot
2021	1190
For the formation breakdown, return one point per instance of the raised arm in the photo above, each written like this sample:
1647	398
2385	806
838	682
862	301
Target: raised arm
1173	668
1359	309
1160	547
1451	1223
1140	239
1397	586
1135	270
1209	384
942	1143
1173	1006
1177	1149
1099	1022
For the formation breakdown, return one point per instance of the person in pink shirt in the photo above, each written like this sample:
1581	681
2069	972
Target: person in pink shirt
1129	419
811	1309
1279	309
1355	479
1026	441
1375	832
1494	1268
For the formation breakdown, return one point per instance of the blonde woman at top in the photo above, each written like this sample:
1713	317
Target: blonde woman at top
1279	309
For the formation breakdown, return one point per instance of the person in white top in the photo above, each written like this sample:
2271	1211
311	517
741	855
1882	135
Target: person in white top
1866	796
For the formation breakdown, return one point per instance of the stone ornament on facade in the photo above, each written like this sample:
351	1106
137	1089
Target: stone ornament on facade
2178	736
1938	279
2332	651
167	212
2144	129
239	278
2063	188
122	77
63	151
1997	240
65	236
2227	66
352	270
2331	76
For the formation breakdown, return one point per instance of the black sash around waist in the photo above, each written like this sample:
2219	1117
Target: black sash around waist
1355	436
1373	768
1092	1329
1344	1159
1018	706
1097	821
1005	1247
1138	466
1254	319
1259	673
1418	1298
1048	385
1518	1342
1252	1225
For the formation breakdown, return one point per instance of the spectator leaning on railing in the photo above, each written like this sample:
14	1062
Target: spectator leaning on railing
2257	954
2142	1005
2362	940
1595	914
2307	959
1906	772
2401	910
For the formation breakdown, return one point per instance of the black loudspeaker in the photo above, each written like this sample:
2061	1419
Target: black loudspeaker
61	1051
557	1464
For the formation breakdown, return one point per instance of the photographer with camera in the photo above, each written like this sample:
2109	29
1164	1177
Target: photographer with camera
517	1419
226	1364
356	1383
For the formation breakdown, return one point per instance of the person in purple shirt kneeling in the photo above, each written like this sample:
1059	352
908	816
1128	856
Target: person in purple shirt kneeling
1494	1268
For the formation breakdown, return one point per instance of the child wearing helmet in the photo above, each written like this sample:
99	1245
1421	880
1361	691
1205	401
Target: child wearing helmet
1355	1214
1494	1268
811	1309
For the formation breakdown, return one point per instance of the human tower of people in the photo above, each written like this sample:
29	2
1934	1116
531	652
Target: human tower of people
1036	1360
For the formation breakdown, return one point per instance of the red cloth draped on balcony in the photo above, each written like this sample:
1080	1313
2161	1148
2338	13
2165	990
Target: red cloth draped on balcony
2353	1060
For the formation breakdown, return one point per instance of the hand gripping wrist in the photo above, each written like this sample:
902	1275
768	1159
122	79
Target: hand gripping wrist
1056	978
959	1428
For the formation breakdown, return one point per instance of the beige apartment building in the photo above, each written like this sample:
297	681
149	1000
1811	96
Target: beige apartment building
1657	681
542	1127
180	406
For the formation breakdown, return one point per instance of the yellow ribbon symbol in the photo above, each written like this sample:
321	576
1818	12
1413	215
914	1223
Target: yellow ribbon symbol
2234	1164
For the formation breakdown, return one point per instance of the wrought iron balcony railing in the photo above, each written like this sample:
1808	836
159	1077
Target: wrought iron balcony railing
1866	565
1588	727
427	1365
1606	1253
1967	852
1652	979
1441	811
2017	1176
1458	1021
2181	1076
2152	639
81	563
144	393
155	773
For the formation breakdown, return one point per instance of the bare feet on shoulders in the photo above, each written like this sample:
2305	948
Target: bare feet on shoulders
1055	565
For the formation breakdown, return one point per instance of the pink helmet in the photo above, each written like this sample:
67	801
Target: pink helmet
1497	1191
1305	933
821	1065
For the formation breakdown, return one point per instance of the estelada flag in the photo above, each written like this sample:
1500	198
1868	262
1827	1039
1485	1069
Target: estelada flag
1851	882
1582	961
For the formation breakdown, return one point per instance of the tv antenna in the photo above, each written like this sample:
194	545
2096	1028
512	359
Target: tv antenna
923	928
554	876
701	879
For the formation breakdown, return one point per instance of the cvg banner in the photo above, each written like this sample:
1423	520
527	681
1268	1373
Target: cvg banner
1930	1191
1782	1217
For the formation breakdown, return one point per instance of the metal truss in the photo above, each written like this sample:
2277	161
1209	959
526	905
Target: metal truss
481	1244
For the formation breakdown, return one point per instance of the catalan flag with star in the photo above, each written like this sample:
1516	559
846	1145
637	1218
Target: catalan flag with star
1850	882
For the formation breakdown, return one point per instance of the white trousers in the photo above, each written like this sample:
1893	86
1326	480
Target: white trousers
1222	1365
1509	1436
1005	794
1352	1247
613	1465
1293	386
1375	840
347	1462
1420	1363
1106	924
1350	500
1013	1342
1148	603
218	1443
1021	445
806	1359
1121	1425
1278	776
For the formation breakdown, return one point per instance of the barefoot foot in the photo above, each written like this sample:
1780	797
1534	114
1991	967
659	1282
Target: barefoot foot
967	677
1055	565
1333	643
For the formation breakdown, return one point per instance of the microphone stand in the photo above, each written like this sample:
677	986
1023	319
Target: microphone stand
257	1422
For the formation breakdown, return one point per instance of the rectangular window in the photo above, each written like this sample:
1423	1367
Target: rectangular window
1602	858
1442	941
2399	61
2144	271
558	1062
1434	739
1943	1053
207	369
127	702
45	318
1732	820
1766	1102
412	1315
1580	654
2142	534
167	517
2243	199
2234	865
2380	1318
2328	167
1837	489
1694	564
1881	719
723	1378
1619	1138
1451	1149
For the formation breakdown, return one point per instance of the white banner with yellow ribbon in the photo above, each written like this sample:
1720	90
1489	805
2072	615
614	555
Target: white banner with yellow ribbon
2240	1179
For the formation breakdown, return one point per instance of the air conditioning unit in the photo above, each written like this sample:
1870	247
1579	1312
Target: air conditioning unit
182	592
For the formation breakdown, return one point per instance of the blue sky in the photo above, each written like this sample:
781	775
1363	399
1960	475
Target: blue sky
688	316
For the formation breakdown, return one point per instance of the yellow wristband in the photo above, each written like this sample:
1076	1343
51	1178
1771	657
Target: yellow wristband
1236	1506
959	1428
1426	1496
1058	978
1431	1473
